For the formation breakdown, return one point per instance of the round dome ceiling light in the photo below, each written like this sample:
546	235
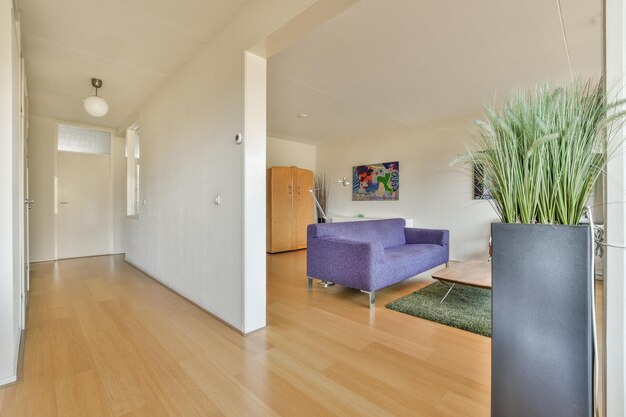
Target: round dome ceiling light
94	105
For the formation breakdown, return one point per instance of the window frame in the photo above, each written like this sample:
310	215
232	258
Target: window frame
133	157
77	129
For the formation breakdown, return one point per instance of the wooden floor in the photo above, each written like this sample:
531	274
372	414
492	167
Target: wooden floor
105	340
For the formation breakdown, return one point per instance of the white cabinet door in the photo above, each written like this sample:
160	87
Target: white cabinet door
83	205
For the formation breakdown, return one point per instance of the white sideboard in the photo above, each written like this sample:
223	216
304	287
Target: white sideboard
409	221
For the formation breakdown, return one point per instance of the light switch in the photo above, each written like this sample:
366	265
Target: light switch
218	200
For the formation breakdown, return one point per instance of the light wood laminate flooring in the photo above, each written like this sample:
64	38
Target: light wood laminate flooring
103	339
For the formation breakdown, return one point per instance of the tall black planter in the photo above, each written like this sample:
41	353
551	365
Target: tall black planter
542	346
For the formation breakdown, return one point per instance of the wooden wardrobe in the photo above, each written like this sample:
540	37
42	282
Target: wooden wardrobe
289	208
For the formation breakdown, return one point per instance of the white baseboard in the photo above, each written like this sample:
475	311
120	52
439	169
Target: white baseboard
13	378
36	261
9	380
19	347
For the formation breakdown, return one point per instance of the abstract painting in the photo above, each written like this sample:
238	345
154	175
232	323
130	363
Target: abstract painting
376	182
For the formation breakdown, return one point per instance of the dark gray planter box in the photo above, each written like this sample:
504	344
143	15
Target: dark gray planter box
542	346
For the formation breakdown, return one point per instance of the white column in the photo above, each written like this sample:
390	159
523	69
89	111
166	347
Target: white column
311	14
615	311
254	143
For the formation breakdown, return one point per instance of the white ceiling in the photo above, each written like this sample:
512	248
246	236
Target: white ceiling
134	46
387	64
381	65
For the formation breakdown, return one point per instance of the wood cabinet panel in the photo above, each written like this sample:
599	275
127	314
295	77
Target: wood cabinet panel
303	206
289	208
280	210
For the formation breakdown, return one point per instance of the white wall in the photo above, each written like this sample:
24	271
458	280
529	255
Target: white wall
432	192
188	156
10	195
42	170
281	152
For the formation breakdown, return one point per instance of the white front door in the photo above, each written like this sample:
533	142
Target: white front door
83	205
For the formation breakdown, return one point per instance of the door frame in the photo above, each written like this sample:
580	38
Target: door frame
24	275
110	202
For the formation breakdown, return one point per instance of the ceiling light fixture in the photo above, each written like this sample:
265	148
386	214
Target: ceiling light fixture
94	105
303	115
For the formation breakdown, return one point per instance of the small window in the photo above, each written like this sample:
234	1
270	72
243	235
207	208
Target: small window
132	170
81	140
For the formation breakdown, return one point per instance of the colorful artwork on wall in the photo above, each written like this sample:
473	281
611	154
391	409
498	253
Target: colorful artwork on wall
376	182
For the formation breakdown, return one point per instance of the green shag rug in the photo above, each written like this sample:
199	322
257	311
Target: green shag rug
466	308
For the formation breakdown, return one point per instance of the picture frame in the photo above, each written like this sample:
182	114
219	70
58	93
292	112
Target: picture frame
481	191
376	182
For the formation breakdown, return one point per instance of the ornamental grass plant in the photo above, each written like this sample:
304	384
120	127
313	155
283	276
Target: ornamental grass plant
543	150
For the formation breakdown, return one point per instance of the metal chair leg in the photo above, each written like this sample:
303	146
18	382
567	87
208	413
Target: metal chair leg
309	283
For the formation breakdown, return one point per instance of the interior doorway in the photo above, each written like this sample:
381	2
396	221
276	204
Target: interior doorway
83	191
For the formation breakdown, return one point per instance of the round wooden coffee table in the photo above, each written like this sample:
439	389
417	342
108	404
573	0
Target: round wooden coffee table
472	273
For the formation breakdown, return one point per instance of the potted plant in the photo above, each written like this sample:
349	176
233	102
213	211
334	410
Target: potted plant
322	193
541	153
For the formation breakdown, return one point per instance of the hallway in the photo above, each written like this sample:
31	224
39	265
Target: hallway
103	339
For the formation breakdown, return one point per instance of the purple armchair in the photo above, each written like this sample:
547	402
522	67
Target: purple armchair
370	255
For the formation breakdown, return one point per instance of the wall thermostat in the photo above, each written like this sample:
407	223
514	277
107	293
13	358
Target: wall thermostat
238	138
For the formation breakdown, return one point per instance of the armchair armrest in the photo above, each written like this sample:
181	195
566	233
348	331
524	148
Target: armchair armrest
346	262
429	236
